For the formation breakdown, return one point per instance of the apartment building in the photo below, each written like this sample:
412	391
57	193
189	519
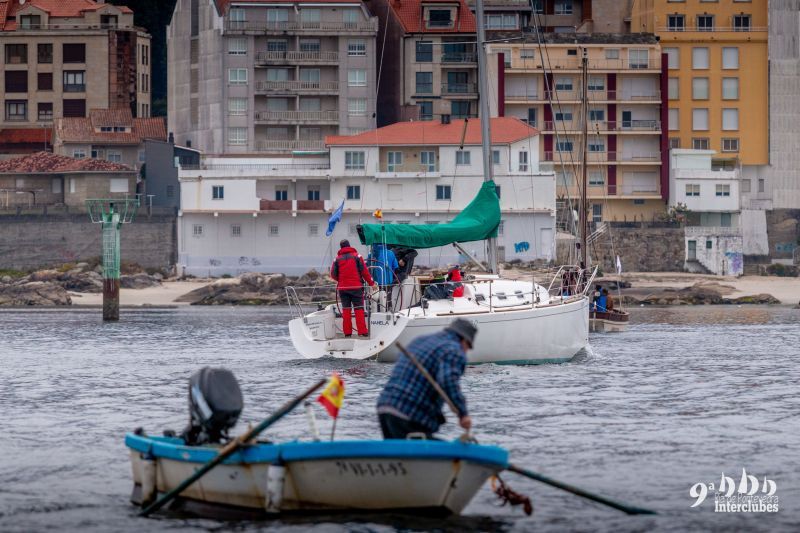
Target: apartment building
271	214
110	134
427	59
269	76
626	159
60	59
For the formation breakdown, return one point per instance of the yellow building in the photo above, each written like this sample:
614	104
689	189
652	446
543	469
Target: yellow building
718	75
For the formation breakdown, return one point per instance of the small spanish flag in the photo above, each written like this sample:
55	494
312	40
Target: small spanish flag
333	395
378	214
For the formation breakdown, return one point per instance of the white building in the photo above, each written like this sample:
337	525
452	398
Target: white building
271	215
714	236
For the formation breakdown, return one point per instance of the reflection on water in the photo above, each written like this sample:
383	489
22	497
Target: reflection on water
683	395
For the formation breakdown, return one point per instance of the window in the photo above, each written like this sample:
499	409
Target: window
674	119
274	74
394	161
74	81
424	82
428	161
237	76
310	17
354	161
74	53
700	143
74	107
281	193
425	110
16	54
141	156
313	193
700	119
501	21
673	57
537	6
44	53
495	157
197	230
443	192
118	185
424	51
597	212
725	220
596	178
597	145
709	244
501	227
699	58
462	157
237	136
730	145
746	185
612	53
280	45
356	47
274	230
16	81
16	110
237	46
98	153
357	78
218	192
30	22
460	109
310	104
705	22
722	189
114	156
730	88
674	142
730	119
523	161
357	107
563	84
236	230
563	7
638	58
237	16
277	17
700	88
673	88
309	74
354	192
563	146
45	111
439	18
532	116
761	184
55	186
237	106
313	230
741	22
730	58
597	83
692	189
564	116
597	115
676	22
79	153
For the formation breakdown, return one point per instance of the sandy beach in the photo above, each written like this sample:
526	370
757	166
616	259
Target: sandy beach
158	296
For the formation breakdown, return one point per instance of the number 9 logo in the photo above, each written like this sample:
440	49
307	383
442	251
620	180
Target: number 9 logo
699	491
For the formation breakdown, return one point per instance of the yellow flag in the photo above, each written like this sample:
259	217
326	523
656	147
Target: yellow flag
378	213
333	395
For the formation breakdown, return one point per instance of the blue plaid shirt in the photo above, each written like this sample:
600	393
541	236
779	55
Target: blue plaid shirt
409	393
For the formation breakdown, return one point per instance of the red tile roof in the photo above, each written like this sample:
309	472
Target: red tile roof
86	130
505	130
47	163
54	8
26	135
410	15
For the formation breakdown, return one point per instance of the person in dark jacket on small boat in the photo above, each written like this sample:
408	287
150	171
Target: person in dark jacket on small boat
350	273
409	403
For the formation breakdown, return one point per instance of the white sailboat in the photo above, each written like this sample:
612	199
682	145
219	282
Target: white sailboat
519	322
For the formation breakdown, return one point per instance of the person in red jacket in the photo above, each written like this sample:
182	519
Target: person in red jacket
350	273
454	276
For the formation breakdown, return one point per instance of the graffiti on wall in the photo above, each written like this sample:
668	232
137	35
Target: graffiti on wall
735	263
520	247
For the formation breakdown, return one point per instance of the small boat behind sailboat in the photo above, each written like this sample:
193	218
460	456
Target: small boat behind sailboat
613	321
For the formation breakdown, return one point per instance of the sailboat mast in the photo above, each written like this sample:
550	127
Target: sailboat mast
486	131
584	205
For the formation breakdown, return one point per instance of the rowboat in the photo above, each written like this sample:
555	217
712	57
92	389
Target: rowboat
609	322
434	477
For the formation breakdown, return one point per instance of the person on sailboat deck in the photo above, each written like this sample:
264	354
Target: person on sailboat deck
408	402
405	259
350	273
383	264
454	277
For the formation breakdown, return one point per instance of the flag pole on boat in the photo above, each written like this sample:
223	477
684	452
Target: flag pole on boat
230	448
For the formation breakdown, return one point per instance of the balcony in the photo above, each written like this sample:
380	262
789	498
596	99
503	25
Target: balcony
297	58
602	157
300	27
639	126
639	189
75	88
714	29
515	95
460	89
275	205
612	65
408	170
289	145
459	57
299	87
295	205
297	117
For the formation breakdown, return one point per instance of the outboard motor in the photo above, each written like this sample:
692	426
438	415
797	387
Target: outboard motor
215	403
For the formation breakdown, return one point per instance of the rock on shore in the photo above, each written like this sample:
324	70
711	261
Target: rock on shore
35	293
697	294
262	289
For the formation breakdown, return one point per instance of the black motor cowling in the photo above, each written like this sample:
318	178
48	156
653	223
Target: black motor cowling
215	403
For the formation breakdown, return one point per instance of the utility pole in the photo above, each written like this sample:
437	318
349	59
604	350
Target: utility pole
584	207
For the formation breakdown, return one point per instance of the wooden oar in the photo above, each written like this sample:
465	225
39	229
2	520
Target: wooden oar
230	448
629	509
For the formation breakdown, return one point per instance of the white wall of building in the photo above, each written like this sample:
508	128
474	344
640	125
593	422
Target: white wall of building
717	249
719	189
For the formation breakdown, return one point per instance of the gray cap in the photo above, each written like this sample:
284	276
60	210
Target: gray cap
464	329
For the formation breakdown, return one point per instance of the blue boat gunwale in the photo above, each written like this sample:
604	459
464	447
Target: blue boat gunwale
174	449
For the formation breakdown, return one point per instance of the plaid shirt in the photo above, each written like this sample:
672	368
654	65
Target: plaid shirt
409	393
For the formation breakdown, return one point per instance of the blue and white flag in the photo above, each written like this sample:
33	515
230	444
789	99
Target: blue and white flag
336	216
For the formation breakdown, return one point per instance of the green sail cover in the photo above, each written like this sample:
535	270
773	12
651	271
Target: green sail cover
477	222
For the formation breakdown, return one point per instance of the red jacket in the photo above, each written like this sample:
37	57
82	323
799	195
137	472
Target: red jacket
349	269
455	277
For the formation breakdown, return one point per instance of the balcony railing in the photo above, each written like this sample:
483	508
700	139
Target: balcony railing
299	26
279	145
297	116
297	57
294	85
643	189
293	205
528	63
514	95
75	88
275	205
715	29
604	125
459	88
310	205
459	57
409	168
258	167
601	157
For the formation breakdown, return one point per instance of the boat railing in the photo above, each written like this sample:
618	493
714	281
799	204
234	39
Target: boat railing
300	299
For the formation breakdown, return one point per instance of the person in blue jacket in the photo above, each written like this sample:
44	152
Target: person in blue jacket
383	265
600	302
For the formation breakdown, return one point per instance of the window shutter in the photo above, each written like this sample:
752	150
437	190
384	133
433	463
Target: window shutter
74	53
75	108
16	81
